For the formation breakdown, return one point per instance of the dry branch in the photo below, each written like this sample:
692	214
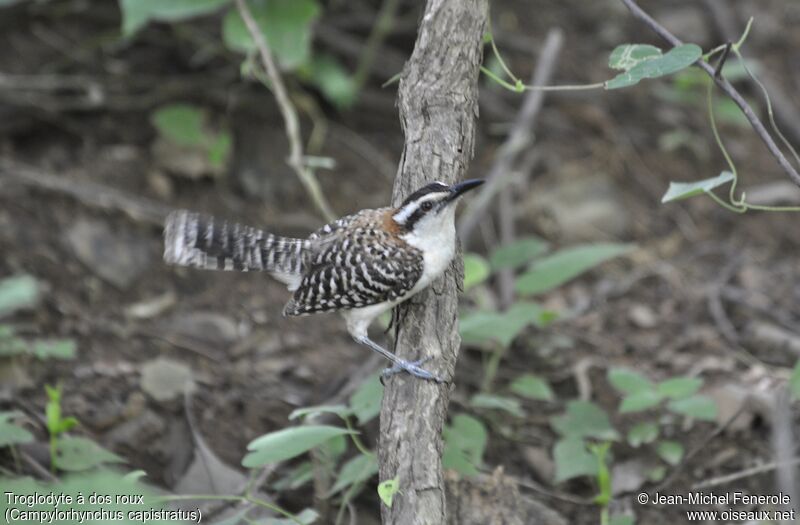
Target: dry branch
725	86
289	113
519	139
438	101
787	114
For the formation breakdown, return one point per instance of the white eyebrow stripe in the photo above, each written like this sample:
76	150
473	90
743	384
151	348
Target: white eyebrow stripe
403	215
409	209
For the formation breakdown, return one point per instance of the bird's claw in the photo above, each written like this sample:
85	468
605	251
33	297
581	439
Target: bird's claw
413	368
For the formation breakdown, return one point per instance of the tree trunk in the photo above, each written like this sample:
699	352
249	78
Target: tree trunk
438	100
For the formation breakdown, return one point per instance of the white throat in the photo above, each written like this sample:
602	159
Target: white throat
435	237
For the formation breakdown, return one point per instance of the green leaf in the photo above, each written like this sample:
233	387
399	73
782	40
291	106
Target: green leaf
680	387
648	64
55	348
727	112
135	475
77	453
387	489
286	25
503	327
288	443
136	13
494	402
454	459
66	424
295	478
181	123
684	190
639	401
670	451
584	419
100	481
532	387
641	433
476	270
333	80
697	407
464	444
517	253
18	292
11	345
628	381
365	403
11	434
555	270
657	473
339	410
603	476
794	381
626	56
358	469
219	149
572	459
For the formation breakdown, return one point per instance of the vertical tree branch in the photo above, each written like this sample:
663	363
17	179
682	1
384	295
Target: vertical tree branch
438	101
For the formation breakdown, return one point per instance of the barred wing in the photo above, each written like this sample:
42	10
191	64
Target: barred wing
349	273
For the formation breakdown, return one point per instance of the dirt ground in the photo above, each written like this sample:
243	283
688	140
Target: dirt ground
706	292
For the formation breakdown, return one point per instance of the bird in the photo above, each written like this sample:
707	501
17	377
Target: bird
360	265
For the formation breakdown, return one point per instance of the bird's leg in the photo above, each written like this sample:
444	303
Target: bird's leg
399	365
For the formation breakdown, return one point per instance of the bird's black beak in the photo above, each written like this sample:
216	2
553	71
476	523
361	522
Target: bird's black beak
457	190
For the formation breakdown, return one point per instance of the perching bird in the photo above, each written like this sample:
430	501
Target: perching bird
361	265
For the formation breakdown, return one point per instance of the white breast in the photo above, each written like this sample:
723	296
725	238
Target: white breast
437	242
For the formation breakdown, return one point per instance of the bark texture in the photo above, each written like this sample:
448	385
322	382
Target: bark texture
438	101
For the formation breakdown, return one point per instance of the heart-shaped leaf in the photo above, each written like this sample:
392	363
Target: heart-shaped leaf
644	62
697	407
680	387
286	25
136	13
77	453
288	443
628	381
476	270
572	459
584	419
387	489
684	190
554	270
517	253
532	387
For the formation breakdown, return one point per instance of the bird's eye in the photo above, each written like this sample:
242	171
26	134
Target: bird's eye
426	206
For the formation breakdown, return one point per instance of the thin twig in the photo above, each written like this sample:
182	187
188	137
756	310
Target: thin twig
91	194
746	473
541	75
722	59
35	465
729	25
687	458
725	86
518	140
383	24
290	120
715	306
784	442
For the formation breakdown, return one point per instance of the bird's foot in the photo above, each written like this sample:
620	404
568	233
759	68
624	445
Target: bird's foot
413	368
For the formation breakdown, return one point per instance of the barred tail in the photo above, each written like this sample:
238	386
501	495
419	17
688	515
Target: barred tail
201	241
